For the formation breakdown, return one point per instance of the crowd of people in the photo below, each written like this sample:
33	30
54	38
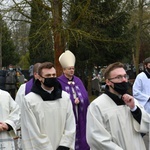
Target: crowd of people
51	112
10	79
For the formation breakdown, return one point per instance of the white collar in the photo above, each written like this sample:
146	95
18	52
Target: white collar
49	91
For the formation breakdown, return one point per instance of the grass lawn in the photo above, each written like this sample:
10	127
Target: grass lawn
92	97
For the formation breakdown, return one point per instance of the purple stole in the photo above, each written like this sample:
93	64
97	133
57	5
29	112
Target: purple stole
29	85
77	85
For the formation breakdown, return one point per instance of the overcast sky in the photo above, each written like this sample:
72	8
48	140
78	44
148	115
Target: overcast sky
7	3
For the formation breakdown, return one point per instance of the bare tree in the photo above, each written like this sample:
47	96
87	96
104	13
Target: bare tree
57	11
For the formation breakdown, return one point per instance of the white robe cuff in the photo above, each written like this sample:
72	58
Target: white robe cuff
133	109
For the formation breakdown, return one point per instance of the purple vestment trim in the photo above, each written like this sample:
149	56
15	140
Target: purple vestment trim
29	85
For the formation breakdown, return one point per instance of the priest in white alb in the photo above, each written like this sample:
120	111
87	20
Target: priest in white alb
115	120
47	119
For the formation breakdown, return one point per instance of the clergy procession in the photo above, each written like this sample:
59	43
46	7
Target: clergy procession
51	112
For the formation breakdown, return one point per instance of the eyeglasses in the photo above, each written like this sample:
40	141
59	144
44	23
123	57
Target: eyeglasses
120	77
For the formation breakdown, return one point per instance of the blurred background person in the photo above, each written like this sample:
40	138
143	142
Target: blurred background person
2	79
11	81
141	86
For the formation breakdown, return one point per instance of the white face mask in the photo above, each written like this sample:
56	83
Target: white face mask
10	68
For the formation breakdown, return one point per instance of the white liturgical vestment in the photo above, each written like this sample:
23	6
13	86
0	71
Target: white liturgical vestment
46	125
113	127
10	114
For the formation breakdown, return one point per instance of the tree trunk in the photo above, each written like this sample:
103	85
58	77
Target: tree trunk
138	41
59	38
0	42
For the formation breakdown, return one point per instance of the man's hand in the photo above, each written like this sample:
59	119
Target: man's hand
76	101
129	100
3	126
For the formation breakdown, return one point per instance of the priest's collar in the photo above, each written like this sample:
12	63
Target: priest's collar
70	81
45	95
49	91
117	99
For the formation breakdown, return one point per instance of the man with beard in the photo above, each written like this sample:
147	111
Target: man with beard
115	120
141	86
47	119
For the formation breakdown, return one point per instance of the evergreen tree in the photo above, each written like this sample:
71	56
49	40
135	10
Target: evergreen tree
9	55
107	25
40	37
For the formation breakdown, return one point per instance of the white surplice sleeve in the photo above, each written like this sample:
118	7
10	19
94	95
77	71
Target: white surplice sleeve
13	118
20	95
138	88
97	136
68	138
144	125
31	135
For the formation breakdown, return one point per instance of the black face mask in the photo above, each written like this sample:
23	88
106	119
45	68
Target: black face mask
121	88
50	82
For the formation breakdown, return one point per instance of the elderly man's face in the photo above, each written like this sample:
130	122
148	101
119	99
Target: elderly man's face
69	71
